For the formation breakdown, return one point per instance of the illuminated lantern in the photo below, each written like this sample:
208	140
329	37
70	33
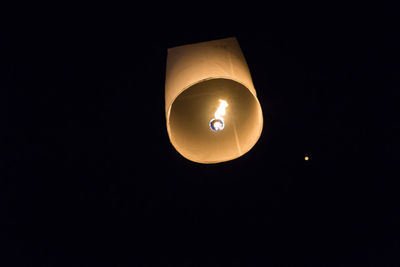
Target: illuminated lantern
212	111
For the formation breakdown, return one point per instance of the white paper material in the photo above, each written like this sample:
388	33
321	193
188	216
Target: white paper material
197	76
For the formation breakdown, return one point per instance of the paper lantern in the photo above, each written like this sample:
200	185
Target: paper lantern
212	111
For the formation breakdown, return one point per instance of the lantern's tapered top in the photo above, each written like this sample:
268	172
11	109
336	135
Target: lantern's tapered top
212	111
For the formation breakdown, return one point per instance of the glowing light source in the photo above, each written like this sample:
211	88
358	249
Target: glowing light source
201	79
217	123
306	158
221	109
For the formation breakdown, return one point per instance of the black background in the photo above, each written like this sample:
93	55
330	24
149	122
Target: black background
89	177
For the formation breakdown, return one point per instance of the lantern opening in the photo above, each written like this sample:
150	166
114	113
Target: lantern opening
234	130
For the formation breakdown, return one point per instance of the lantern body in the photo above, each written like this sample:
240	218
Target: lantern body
198	77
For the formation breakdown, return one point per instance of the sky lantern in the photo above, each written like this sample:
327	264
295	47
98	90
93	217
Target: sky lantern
212	111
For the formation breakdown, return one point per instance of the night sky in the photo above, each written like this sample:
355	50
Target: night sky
90	178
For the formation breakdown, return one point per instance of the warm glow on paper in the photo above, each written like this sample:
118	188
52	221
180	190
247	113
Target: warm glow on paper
212	111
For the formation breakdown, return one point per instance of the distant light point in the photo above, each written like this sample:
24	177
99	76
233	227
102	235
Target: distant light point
306	158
